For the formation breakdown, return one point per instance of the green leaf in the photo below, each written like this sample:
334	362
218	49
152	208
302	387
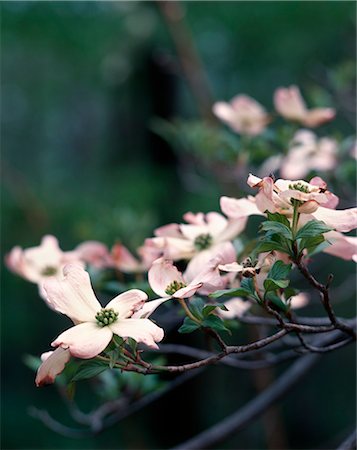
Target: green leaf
215	322
279	271
269	245
188	326
277	302
272	285
277	228
290	292
277	217
207	310
312	228
235	292
196	306
89	369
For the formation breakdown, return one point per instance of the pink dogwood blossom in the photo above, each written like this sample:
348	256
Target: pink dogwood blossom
290	104
36	264
95	326
307	153
236	308
243	114
201	239
168	282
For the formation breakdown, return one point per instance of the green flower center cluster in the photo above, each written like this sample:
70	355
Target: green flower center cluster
203	241
299	186
49	271
174	287
106	316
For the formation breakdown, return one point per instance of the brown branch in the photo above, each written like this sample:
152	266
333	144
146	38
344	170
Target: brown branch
325	297
173	13
255	408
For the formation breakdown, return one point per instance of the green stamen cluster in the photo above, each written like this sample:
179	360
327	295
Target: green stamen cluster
203	241
106	316
299	186
248	262
49	271
174	287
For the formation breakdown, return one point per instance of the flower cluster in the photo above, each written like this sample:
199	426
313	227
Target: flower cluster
301	216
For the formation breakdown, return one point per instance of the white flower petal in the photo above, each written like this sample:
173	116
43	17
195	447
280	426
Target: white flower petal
72	295
142	330
85	340
128	302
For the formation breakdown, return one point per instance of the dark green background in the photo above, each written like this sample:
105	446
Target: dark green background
81	82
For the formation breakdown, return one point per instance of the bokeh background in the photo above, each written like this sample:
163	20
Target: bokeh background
83	87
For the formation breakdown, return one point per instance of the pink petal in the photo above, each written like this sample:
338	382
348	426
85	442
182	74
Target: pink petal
317	116
253	181
191	232
85	340
148	308
223	111
239	208
233	229
216	223
232	267
187	291
52	366
170	230
299	301
161	274
124	260
342	246
236	308
142	330
127	303
289	103
224	251
194	219
94	253
72	295
341	220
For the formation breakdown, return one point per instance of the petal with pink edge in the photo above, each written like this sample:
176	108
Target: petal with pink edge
161	274
142	330
52	366
72	295
340	219
342	246
85	340
239	208
127	303
149	308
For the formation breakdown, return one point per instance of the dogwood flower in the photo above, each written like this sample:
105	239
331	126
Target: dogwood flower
36	264
342	246
201	239
168	282
306	153
95	326
290	104
243	114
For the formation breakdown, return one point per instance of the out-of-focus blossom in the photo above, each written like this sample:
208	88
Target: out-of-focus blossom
290	104
52	365
95	326
236	308
36	264
243	114
342	246
95	254
299	300
204	237
168	282
308	153
125	261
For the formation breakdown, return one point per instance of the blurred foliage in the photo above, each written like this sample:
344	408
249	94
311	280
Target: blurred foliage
82	83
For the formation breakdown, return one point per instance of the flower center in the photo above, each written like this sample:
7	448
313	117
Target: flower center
299	186
105	317
49	271
203	241
174	287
